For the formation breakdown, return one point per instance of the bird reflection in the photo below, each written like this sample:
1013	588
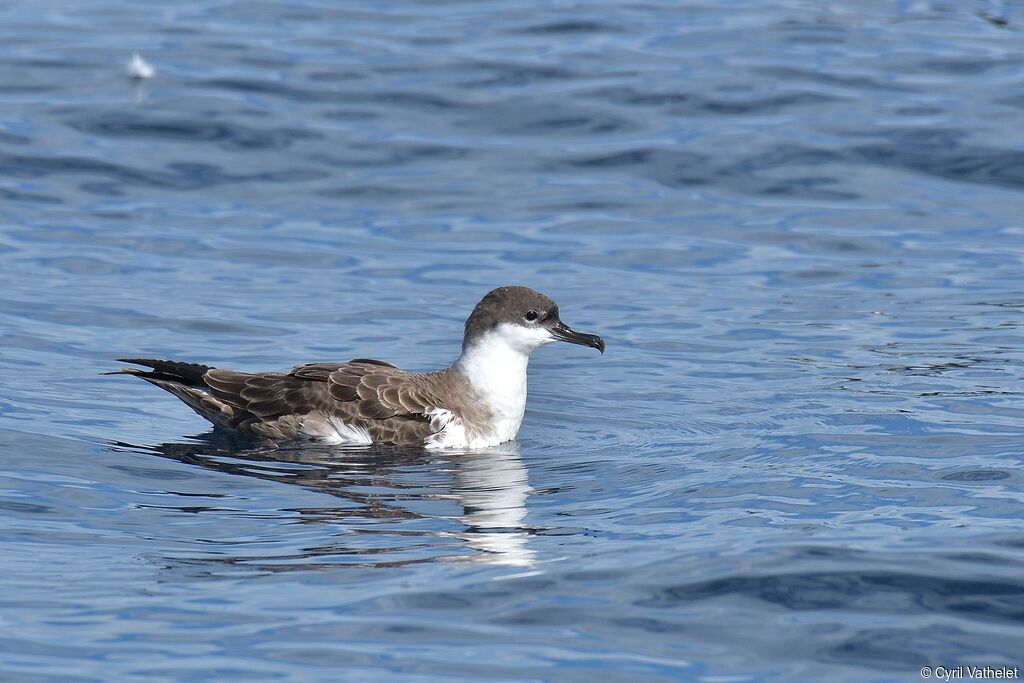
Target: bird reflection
381	484
492	488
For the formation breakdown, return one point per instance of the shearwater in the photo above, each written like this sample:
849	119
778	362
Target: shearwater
476	402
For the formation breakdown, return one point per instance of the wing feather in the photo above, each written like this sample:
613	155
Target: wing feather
380	392
392	403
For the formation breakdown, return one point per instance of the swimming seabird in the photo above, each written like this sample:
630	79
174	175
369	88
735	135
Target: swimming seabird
476	402
139	68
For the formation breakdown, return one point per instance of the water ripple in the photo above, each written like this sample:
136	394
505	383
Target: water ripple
227	136
798	229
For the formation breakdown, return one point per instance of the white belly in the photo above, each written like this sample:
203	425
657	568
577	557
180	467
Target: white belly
453	433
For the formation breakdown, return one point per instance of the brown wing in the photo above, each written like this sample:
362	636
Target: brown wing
320	371
269	404
380	392
391	403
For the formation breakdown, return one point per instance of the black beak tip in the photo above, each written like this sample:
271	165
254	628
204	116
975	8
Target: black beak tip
564	333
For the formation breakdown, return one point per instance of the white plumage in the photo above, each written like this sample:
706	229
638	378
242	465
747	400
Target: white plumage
140	68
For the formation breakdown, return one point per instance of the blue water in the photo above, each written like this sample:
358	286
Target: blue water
799	227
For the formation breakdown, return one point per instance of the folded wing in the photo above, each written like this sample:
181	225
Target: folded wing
388	403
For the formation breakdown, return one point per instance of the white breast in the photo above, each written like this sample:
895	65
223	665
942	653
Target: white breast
495	366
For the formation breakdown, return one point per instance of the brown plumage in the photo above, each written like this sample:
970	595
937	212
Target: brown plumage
365	401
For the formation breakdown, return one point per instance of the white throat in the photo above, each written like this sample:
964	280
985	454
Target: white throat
495	366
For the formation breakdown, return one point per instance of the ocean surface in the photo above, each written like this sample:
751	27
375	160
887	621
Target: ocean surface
799	227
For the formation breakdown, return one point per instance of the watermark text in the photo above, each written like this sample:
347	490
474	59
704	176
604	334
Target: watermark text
965	672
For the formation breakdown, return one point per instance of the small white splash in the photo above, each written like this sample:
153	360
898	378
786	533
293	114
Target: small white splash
140	68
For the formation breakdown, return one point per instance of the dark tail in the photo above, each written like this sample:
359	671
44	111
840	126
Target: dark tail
189	374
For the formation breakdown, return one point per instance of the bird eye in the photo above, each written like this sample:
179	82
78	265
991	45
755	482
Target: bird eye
531	316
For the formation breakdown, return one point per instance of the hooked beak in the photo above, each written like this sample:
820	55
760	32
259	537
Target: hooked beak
563	332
